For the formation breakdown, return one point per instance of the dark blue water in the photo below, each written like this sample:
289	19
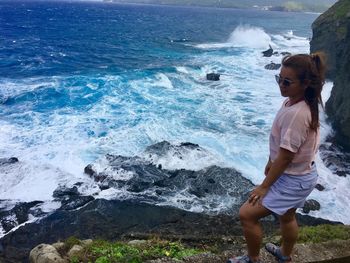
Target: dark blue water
60	38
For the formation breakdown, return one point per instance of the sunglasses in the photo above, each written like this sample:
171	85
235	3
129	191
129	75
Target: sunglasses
285	82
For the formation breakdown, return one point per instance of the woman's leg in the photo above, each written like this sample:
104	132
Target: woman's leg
249	215
289	229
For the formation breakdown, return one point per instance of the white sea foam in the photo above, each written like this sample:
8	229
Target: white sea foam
243	36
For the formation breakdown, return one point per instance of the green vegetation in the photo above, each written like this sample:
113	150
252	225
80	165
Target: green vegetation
100	251
293	6
112	252
323	233
343	8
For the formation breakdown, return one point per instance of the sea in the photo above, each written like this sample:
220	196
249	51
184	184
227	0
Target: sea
79	80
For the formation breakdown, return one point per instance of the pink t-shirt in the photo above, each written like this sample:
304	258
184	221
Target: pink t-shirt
290	130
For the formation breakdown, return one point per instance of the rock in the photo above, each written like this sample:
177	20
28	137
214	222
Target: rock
336	251
75	202
44	253
59	246
286	53
335	157
319	187
272	66
86	242
213	76
75	251
331	35
311	205
63	191
113	219
89	170
268	53
70	197
18	214
8	160
137	242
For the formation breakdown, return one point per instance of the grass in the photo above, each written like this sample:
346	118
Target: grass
101	251
323	233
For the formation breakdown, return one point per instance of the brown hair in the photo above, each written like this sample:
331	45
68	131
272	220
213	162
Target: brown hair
310	70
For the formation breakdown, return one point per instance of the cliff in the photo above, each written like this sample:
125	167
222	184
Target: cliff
331	33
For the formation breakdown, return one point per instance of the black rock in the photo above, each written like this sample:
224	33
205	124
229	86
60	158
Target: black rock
311	205
272	66
8	160
286	53
268	53
213	76
89	170
63	191
18	214
75	202
319	187
211	181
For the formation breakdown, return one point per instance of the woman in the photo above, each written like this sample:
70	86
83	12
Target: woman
290	172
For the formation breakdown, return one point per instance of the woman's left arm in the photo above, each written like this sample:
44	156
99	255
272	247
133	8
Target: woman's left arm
284	158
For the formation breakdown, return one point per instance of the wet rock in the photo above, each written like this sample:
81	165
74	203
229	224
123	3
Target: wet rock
63	191
311	205
18	214
286	53
11	160
75	202
335	157
268	52
89	170
70	197
272	66
319	187
213	76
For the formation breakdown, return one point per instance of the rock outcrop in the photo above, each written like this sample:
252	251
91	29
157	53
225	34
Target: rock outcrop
331	34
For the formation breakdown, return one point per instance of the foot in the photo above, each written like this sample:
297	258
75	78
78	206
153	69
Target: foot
241	259
276	252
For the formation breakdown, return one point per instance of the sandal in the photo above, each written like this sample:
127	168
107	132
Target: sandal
276	252
241	259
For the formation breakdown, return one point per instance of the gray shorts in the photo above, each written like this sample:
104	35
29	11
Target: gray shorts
289	191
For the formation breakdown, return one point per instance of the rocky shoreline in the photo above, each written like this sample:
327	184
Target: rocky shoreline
141	215
118	220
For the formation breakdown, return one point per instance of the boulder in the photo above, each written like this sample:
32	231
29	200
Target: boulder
311	205
75	251
268	52
272	66
44	253
213	76
11	160
319	187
